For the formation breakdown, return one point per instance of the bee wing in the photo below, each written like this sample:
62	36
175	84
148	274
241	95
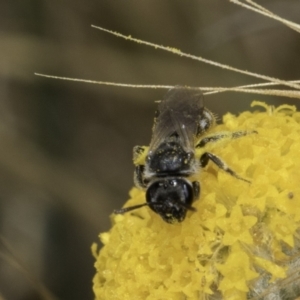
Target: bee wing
178	113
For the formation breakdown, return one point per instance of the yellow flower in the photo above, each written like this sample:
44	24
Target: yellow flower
242	241
236	227
211	212
236	272
282	226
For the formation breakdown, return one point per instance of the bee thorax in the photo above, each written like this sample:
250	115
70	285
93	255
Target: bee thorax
170	158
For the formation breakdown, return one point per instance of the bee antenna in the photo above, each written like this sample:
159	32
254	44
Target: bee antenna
191	208
126	209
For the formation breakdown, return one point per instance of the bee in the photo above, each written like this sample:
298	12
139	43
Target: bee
163	169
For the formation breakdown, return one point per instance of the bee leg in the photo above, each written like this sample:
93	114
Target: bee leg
207	120
223	135
196	189
138	177
137	151
204	159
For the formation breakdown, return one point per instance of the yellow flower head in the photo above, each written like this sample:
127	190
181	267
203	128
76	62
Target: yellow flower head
243	240
236	226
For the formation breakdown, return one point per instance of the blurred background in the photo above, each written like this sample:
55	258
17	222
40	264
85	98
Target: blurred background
66	147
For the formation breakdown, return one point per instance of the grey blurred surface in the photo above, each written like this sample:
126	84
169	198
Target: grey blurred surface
65	154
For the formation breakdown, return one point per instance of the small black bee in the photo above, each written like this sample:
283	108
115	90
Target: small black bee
180	121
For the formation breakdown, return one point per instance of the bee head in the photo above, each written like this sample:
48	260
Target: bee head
171	198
